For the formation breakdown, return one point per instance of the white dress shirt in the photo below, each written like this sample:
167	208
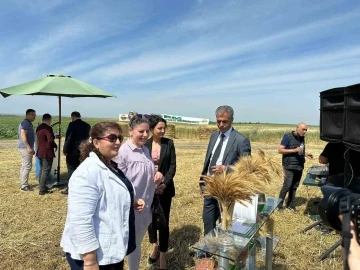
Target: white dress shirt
221	156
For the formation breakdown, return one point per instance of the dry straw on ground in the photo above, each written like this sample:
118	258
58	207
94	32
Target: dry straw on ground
31	226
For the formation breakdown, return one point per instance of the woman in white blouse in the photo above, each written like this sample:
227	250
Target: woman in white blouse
100	224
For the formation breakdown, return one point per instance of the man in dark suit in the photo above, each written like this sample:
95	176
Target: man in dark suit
45	152
77	132
225	147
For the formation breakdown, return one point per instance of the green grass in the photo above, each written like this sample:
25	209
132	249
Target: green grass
255	132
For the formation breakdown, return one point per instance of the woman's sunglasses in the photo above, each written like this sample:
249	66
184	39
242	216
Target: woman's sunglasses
139	116
112	138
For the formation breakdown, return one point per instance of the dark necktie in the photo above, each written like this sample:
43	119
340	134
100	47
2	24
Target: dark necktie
217	152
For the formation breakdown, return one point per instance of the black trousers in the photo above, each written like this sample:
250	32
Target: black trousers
45	169
78	265
72	162
211	213
291	182
165	202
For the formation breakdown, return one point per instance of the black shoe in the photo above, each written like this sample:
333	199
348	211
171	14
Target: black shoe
280	207
152	261
291	208
44	192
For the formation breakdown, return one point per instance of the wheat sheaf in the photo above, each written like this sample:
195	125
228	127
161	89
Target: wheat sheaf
247	177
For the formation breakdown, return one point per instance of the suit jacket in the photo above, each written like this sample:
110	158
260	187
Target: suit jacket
77	132
238	145
45	139
167	163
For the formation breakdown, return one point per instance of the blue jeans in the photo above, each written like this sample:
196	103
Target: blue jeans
78	265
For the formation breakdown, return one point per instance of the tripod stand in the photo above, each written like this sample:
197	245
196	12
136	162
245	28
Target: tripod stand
347	181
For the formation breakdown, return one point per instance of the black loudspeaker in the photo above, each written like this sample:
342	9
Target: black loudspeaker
352	115
332	115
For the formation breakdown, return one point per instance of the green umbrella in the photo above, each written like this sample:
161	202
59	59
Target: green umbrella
56	85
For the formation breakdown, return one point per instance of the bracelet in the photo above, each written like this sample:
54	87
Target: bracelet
90	264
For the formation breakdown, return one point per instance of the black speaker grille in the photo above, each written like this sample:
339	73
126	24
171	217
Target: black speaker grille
331	124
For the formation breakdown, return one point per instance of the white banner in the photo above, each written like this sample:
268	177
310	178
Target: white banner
173	119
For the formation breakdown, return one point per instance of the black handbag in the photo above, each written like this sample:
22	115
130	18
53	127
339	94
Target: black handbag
158	218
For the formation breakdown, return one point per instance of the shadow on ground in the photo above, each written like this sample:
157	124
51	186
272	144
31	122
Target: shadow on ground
180	243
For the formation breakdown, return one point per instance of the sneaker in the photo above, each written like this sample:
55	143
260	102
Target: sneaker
25	189
280	207
291	208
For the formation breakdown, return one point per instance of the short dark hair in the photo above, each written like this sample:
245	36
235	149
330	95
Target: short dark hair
28	111
155	119
76	114
46	116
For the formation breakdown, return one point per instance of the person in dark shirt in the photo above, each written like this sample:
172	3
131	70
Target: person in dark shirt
77	132
334	155
45	152
293	150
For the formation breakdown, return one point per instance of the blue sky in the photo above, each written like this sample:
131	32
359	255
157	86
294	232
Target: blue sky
267	59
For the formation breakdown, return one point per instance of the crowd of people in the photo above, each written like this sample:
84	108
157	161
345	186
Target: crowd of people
113	184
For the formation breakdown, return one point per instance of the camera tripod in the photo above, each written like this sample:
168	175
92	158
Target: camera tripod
327	252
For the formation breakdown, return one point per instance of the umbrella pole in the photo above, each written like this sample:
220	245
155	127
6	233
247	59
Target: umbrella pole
59	144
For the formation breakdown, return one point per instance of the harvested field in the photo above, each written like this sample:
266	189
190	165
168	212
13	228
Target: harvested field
31	226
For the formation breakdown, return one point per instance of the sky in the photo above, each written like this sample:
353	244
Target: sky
269	60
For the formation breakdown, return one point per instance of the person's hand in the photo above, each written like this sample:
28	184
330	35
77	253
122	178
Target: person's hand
158	178
201	192
218	168
309	156
297	149
91	266
139	205
30	151
55	149
354	251
160	188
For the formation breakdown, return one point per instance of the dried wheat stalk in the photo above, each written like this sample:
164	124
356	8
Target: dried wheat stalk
248	177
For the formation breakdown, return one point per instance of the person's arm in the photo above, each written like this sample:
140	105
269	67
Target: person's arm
82	203
23	133
68	143
324	156
49	139
323	160
172	169
283	144
201	184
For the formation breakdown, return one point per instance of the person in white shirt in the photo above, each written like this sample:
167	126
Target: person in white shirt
100	224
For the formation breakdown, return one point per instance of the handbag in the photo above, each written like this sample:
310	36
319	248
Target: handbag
158	217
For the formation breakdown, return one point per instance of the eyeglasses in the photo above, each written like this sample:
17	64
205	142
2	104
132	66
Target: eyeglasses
222	121
112	138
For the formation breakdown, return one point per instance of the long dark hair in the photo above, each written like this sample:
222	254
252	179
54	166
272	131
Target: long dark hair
155	119
98	130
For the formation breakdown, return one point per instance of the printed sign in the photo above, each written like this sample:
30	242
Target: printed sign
172	119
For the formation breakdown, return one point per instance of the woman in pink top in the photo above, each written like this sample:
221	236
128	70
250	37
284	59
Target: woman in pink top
135	161
164	157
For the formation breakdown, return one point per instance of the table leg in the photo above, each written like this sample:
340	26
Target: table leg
269	252
252	257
